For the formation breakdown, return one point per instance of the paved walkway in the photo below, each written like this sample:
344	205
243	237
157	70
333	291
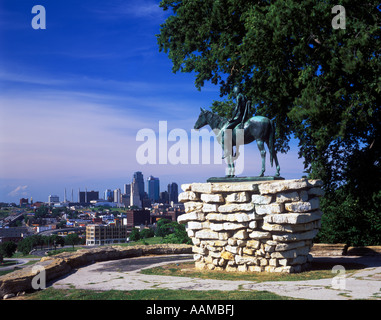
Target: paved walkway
125	275
20	262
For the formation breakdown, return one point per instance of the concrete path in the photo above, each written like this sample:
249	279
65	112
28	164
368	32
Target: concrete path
20	262
125	275
360	284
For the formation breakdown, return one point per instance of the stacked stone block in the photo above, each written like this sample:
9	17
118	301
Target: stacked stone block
263	226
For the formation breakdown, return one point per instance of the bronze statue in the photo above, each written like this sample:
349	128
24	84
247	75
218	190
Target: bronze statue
252	128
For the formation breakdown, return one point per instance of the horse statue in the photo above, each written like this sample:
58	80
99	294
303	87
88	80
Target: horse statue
256	128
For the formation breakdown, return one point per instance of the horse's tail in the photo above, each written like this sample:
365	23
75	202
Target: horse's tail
271	142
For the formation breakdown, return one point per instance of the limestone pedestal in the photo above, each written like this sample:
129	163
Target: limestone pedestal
259	226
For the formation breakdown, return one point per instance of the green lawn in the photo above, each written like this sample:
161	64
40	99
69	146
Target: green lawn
7	263
153	240
3	272
73	294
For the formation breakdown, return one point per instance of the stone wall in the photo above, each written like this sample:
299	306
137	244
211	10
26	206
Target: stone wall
252	226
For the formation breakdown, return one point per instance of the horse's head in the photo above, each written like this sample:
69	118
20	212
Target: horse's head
202	119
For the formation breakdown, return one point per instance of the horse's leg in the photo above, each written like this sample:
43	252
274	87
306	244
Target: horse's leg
277	165
261	147
225	137
228	143
228	168
236	155
275	158
232	167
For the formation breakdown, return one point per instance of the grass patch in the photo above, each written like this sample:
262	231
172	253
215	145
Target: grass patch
27	256
147	241
155	294
187	269
7	263
54	252
4	272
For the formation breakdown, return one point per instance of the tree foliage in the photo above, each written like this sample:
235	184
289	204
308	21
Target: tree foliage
135	234
72	239
147	233
163	227
29	243
179	235
348	220
7	249
319	83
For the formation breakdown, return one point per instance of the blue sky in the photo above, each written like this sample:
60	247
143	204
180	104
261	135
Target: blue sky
74	96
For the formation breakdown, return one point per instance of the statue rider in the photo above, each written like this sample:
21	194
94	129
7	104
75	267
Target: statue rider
241	113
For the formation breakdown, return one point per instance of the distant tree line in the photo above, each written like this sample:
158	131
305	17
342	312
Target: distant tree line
7	249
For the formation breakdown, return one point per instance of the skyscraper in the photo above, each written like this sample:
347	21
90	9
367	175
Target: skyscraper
117	196
173	192
135	197
153	188
109	195
138	176
127	189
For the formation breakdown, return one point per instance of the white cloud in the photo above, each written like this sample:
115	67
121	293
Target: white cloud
28	78
45	137
20	191
79	130
61	135
144	9
138	9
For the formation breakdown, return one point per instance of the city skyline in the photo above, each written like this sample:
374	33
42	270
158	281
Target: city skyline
75	95
76	193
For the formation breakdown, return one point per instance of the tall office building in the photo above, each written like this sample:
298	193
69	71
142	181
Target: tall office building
138	176
134	196
109	195
117	196
153	188
127	189
126	196
173	192
86	196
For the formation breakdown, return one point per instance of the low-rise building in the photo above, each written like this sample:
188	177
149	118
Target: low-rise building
15	234
53	199
137	218
105	234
